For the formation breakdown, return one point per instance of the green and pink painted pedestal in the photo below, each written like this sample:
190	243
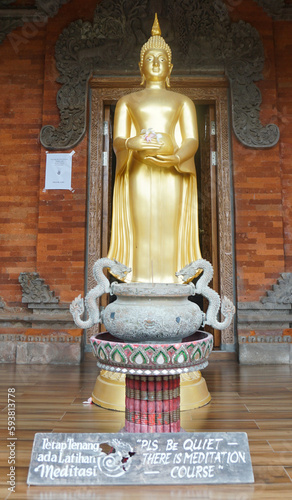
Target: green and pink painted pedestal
152	376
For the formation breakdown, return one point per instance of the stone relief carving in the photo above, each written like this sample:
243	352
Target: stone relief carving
16	17
277	9
264	339
7	24
50	7
269	320
281	293
5	3
35	291
202	38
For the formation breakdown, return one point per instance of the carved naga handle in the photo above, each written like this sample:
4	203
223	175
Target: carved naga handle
103	286
202	288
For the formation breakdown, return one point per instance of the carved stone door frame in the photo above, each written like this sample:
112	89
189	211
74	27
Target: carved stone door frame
106	91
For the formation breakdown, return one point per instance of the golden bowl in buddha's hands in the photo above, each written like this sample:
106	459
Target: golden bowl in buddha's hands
167	147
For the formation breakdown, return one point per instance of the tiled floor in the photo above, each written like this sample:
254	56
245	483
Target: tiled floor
256	400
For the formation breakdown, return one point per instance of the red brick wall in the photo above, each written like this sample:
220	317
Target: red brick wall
62	214
40	231
21	90
283	57
45	231
261	181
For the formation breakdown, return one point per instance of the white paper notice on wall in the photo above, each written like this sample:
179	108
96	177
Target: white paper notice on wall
59	170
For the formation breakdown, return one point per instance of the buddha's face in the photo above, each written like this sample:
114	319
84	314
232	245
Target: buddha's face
155	66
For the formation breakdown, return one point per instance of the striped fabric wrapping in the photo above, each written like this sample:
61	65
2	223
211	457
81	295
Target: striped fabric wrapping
158	404
171	404
165	398
130	414
137	404
176	408
144	405
152	403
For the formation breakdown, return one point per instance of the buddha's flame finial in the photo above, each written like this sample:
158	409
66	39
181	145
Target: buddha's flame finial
156	28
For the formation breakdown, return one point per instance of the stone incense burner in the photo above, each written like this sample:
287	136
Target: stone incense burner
152	312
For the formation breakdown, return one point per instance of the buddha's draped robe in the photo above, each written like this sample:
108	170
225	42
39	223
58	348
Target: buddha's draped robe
155	209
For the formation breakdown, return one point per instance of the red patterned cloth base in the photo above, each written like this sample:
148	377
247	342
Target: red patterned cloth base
152	403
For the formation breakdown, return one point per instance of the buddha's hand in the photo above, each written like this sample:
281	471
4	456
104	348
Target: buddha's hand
165	161
139	143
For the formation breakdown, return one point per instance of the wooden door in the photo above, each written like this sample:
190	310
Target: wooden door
206	164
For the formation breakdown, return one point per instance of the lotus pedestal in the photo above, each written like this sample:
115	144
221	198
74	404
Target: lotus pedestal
152	372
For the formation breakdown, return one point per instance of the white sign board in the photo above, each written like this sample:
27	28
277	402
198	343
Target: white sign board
63	459
59	170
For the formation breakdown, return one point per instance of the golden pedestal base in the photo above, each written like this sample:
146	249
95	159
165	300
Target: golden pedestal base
193	391
109	391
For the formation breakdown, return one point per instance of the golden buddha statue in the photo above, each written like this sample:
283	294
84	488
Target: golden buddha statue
155	208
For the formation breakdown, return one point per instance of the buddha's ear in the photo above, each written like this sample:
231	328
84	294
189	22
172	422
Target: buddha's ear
167	81
142	74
